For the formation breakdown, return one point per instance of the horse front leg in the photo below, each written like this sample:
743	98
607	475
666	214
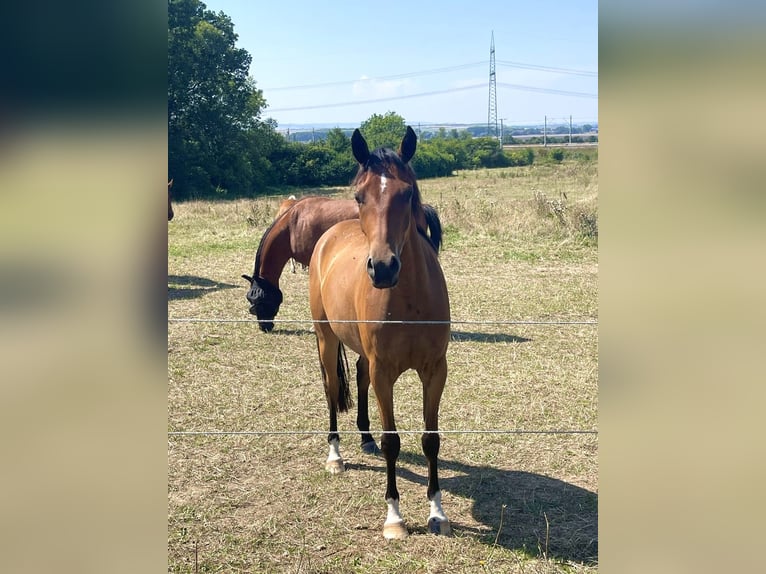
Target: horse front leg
433	385
390	445
362	411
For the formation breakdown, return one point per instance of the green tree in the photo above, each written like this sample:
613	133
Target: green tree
384	131
213	105
338	141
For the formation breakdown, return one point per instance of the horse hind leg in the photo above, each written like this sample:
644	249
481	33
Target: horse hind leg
329	357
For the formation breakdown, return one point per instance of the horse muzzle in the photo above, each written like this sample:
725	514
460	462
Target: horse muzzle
384	275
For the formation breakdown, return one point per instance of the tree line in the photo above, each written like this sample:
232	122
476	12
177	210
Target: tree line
219	145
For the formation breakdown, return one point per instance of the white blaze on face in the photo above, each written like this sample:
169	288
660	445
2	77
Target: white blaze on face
383	182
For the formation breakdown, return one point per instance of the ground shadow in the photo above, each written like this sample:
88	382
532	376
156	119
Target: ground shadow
292	332
533	513
475	337
192	287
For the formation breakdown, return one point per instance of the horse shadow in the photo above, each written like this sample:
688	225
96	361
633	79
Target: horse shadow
521	511
477	337
193	287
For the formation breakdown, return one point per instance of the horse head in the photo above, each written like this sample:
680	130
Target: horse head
387	194
265	300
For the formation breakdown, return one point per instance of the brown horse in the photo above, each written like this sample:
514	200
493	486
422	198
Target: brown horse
170	207
294	234
383	268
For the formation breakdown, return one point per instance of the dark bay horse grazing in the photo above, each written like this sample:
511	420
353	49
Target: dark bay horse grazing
293	234
383	267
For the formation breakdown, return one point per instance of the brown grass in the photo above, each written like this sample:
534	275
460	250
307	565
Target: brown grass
518	503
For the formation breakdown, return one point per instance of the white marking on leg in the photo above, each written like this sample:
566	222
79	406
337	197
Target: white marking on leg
436	507
393	516
437	520
334	464
334	450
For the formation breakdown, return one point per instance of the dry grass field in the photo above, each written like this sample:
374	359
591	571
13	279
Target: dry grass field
520	245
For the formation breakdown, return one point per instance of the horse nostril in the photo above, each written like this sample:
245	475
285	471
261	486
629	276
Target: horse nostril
395	265
369	264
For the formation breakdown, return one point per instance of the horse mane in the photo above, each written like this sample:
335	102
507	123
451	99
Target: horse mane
381	161
260	244
435	229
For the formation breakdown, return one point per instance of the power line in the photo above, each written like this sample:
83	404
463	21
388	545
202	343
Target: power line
546	91
552	69
436	93
324	432
376	100
380	78
387	321
432	71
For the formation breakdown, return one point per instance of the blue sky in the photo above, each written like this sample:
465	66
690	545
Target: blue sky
385	50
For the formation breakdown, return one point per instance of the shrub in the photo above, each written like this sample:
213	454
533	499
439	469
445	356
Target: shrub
580	218
430	161
488	153
521	157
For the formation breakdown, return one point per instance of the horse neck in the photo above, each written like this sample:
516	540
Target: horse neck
274	252
413	252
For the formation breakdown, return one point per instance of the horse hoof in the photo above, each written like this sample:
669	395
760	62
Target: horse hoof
395	531
371	448
439	527
335	466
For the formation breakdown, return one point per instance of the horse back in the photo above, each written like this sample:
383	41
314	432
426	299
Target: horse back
311	217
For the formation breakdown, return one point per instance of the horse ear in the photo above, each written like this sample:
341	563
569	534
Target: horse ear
409	143
359	147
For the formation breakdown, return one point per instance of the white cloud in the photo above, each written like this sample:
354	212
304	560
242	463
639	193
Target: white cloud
370	88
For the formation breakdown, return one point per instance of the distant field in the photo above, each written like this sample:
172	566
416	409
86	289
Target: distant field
520	245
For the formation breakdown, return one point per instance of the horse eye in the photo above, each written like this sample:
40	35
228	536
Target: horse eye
358	198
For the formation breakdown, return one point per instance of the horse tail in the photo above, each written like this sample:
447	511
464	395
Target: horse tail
344	391
434	226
